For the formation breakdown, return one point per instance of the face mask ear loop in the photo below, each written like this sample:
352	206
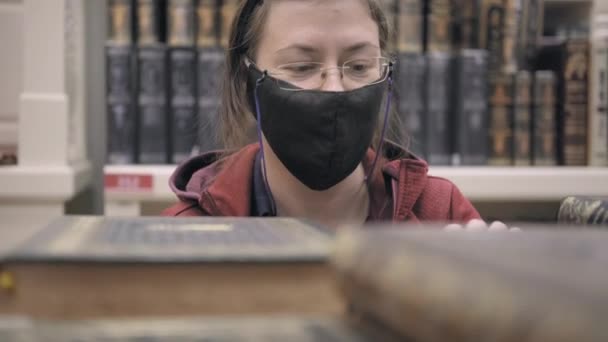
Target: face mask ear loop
259	131
369	176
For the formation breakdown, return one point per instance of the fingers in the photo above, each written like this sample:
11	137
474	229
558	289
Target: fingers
477	225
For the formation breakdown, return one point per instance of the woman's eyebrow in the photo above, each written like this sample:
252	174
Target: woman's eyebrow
361	46
299	47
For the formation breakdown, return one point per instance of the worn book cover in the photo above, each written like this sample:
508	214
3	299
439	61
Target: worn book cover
493	21
583	210
410	83
470	108
522	129
544	127
439	23
501	119
410	24
437	104
598	113
540	285
569	59
90	267
183	82
152	85
120	86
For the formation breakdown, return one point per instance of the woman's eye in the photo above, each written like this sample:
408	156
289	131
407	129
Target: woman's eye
301	68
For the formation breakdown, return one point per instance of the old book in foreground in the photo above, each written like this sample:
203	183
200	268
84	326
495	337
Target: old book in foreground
435	286
583	210
167	266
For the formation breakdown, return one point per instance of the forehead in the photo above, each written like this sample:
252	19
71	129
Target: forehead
318	23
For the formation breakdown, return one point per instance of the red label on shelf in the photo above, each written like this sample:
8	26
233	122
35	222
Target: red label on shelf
128	182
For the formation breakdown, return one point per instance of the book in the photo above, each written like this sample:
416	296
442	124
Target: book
118	267
390	10
541	285
522	129
598	113
439	23
501	119
529	33
437	108
227	13
569	59
183	82
544	119
583	210
152	85
492	22
470	108
120	85
410	83
210	68
410	23
511	26
296	328
465	24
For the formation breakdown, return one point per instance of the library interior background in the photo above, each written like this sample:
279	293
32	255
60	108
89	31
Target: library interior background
101	100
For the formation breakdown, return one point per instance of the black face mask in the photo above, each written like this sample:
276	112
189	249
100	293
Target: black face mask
320	137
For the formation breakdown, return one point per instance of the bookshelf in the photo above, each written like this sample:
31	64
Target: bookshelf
133	187
55	103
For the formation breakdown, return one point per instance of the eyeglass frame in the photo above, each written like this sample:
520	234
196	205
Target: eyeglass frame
389	66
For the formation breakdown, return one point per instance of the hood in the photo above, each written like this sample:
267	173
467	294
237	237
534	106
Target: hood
222	186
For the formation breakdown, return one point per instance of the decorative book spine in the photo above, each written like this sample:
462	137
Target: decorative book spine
210	67
437	103
465	24
120	91
522	139
544	126
410	83
439	23
492	32
152	96
227	13
598	119
501	119
470	108
183	94
409	38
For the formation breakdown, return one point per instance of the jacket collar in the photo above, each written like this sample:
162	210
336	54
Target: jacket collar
222	187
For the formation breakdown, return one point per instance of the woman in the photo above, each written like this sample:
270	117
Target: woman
305	105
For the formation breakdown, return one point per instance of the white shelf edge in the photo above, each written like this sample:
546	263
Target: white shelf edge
476	183
43	183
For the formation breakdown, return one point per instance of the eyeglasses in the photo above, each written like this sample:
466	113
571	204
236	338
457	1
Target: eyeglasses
354	74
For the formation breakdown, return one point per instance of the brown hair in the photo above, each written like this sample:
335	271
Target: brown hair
236	122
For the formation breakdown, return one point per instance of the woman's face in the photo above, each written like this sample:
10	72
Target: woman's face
331	32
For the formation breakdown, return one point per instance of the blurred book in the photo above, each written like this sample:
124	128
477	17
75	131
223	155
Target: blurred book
501	119
522	121
544	119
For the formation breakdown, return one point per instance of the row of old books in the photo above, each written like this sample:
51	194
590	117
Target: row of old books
479	84
164	60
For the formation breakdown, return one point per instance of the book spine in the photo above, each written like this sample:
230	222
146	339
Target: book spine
120	90
210	68
410	81
410	23
437	137
598	119
492	32
575	111
182	69
522	138
544	125
465	24
512	12
227	13
470	108
212	16
439	23
529	32
207	23
501	119
390	9
152	99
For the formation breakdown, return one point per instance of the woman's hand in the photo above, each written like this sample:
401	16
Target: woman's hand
477	225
